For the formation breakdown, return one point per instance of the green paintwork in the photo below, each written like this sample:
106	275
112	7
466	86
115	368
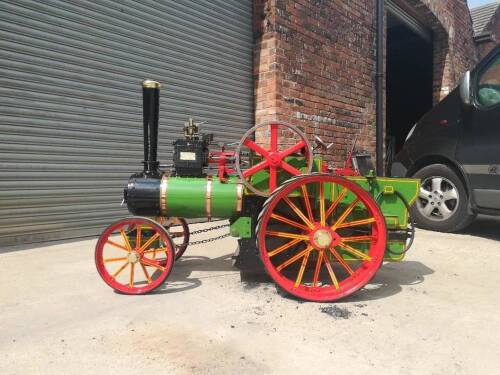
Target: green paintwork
242	227
186	197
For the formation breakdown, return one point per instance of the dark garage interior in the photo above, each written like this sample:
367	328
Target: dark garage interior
409	82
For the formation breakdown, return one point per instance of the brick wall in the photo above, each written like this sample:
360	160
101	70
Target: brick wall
315	63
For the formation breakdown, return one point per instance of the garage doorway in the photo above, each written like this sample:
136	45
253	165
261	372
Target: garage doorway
409	80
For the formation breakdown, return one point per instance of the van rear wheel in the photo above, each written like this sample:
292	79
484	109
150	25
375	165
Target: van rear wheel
442	204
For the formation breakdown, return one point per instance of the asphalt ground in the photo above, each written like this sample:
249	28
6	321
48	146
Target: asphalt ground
437	312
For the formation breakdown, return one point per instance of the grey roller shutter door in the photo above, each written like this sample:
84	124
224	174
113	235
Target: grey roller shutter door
70	107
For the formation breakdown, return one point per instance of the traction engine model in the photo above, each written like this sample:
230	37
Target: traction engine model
320	233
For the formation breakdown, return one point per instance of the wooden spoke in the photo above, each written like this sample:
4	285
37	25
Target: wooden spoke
146	273
322	216
298	280
336	202
114	259
155	250
149	242
125	238
119	270
131	281
138	237
288	221
287	235
305	196
112	243
341	261
152	263
354	251
358	239
317	270
356	223
331	273
283	247
298	212
294	258
345	214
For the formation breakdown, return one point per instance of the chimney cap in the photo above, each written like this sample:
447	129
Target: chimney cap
150	84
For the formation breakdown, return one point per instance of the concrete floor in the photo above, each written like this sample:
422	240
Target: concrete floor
435	313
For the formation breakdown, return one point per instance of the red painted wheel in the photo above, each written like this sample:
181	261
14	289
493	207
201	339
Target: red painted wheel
273	151
178	229
134	255
321	237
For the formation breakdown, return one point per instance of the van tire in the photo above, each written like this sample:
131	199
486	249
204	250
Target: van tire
459	214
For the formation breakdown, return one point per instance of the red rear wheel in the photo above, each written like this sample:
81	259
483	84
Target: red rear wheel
178	229
321	237
134	255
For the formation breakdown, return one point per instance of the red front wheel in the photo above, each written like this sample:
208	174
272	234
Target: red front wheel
134	255
321	237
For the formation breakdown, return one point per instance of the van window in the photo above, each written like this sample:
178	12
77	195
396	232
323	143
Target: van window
488	93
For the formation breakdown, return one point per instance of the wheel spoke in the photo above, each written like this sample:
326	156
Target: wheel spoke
335	203
341	261
424	194
302	237
131	281
358	239
298	280
292	170
119	270
273	178
298	212
257	167
125	238
445	211
155	250
146	273
255	147
274	137
149	242
138	237
428	209
305	196
289	221
317	270
294	258
322	216
345	214
114	259
293	149
331	273
112	243
436	183
356	223
354	251
450	194
283	247
152	263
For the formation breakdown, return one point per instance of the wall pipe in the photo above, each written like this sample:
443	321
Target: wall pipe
379	89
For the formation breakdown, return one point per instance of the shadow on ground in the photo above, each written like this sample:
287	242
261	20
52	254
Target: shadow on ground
484	226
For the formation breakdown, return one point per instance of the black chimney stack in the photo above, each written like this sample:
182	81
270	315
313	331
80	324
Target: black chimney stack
151	107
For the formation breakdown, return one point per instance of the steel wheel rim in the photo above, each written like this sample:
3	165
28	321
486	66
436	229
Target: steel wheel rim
438	198
136	268
272	170
326	291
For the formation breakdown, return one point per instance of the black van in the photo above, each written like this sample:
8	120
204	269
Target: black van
455	150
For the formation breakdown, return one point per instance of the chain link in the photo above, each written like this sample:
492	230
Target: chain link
209	230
